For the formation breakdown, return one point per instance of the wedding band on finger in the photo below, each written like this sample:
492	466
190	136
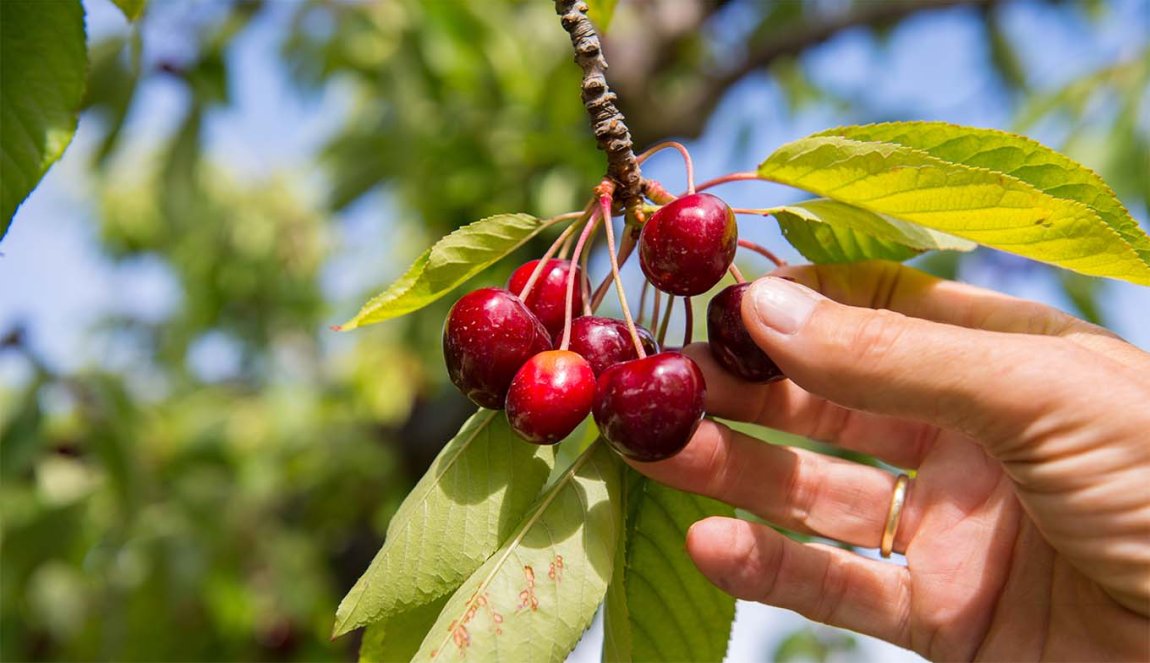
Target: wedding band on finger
894	515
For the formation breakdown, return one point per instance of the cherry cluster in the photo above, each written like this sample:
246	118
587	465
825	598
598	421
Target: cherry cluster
535	349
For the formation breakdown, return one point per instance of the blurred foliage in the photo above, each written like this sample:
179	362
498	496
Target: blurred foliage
163	506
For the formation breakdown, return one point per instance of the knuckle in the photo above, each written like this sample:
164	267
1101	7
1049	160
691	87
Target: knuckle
802	490
876	336
833	588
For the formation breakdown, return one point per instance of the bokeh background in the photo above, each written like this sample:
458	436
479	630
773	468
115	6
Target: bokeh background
193	467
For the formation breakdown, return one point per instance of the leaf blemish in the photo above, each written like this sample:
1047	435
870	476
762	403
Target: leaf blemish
555	572
527	598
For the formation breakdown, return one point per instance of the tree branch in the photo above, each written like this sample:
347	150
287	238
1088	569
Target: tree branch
607	121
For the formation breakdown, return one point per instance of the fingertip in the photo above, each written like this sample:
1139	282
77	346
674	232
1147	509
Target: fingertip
713	544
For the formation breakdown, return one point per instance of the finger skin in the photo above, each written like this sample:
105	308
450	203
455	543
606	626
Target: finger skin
785	406
826	584
800	490
888	285
989	385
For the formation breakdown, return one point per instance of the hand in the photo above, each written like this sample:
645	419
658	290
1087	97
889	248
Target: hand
1027	525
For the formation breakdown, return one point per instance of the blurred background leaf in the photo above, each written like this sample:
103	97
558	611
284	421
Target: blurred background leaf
185	448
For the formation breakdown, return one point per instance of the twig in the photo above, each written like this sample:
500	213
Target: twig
607	122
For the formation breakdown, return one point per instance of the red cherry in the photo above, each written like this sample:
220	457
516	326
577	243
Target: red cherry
605	342
647	409
731	344
688	244
550	396
548	297
488	335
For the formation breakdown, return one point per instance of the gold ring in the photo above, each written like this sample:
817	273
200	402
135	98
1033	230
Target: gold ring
894	516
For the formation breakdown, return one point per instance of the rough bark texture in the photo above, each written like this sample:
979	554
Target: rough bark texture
607	122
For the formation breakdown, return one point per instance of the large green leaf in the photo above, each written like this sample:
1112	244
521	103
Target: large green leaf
43	63
534	598
456	516
829	231
453	260
992	208
824	243
397	639
672	612
1018	156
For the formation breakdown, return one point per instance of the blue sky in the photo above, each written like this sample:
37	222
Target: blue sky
54	280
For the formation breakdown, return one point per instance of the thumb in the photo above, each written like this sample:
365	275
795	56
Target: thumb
986	384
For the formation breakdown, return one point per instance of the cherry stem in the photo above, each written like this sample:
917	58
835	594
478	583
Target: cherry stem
567	314
736	273
566	234
625	249
643	301
732	177
681	149
605	212
666	319
763	251
689	326
655	309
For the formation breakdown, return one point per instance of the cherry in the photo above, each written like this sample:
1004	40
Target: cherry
687	245
647	409
488	335
605	342
731	343
548	297
550	395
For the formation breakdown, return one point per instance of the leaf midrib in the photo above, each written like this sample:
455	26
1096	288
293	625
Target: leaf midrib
548	497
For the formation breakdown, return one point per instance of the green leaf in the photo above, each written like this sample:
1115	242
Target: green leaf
824	243
829	231
397	639
990	207
453	260
601	12
42	70
456	516
672	612
534	598
132	9
1014	155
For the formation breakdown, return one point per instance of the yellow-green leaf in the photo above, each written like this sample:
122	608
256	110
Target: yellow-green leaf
1018	156
456	516
452	261
829	231
992	208
534	597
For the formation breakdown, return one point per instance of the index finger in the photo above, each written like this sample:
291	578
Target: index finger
887	285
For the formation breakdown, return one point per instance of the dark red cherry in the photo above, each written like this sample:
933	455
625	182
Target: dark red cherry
687	245
605	342
731	343
647	409
548	297
550	396
488	335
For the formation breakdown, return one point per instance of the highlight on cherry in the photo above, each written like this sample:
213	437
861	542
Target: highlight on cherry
539	349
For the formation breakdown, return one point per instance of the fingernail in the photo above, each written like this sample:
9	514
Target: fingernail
782	305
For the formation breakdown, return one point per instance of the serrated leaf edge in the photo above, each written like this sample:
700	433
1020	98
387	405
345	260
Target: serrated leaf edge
341	625
513	543
1106	227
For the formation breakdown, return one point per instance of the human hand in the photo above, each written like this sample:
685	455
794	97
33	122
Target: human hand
1026	528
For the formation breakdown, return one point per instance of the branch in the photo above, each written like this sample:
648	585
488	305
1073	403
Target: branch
687	117
607	122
